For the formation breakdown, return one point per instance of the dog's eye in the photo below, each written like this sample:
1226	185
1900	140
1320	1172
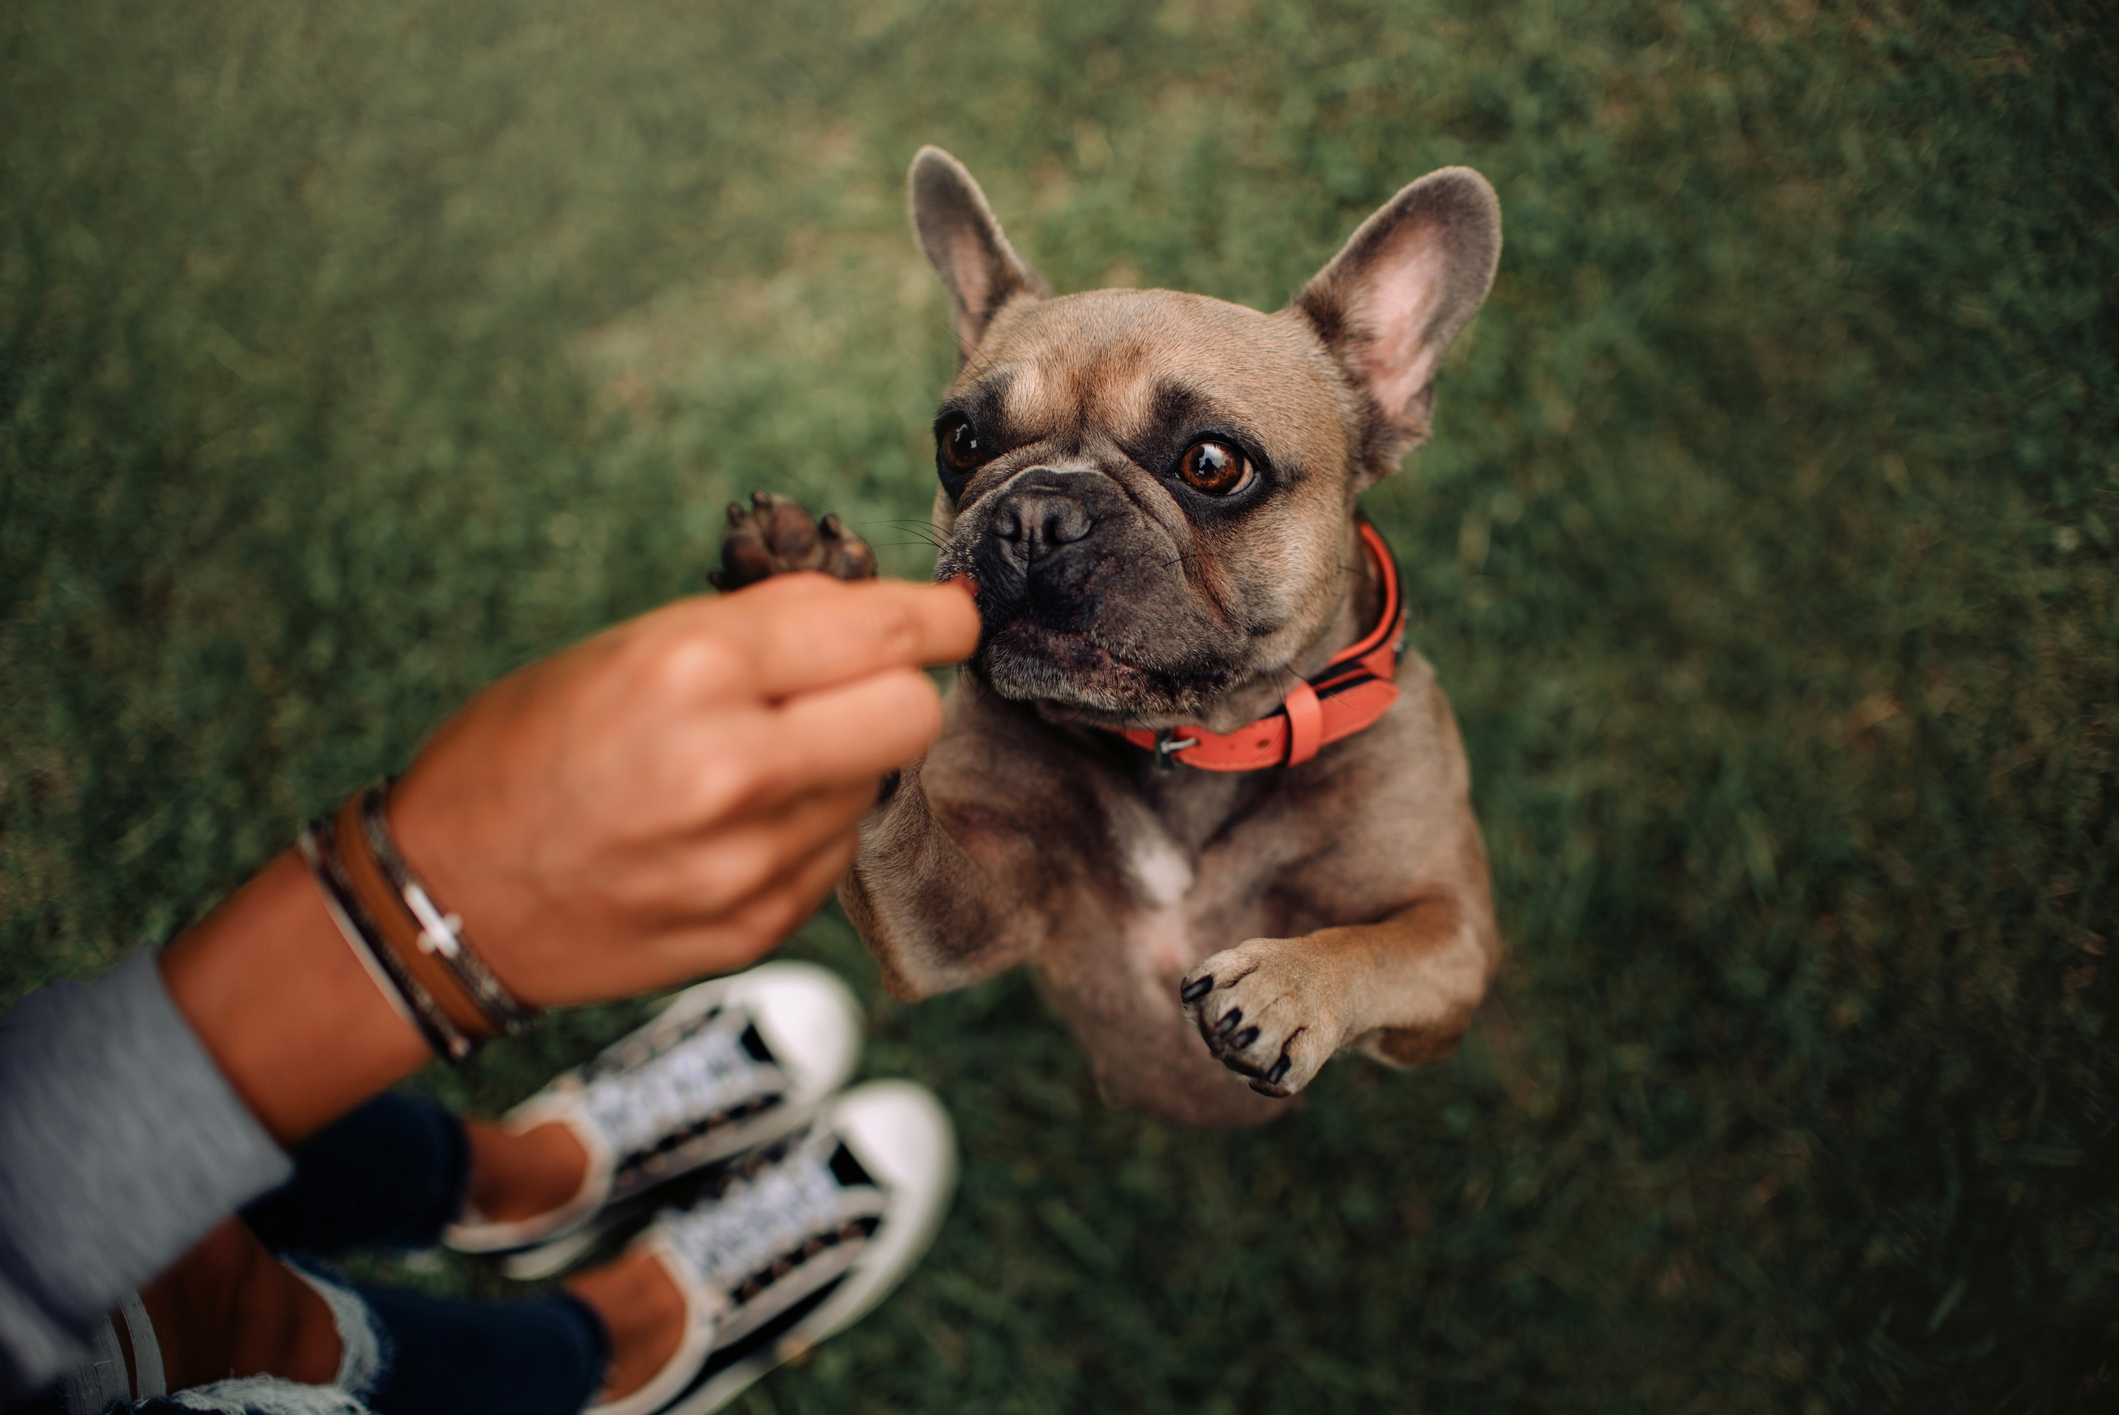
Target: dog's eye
1213	467
960	444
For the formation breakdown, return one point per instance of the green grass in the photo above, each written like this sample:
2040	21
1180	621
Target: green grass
351	355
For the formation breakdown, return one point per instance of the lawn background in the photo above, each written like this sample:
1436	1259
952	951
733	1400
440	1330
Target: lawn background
351	355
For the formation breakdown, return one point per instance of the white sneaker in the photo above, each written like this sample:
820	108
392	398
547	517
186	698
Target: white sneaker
803	1244
722	1068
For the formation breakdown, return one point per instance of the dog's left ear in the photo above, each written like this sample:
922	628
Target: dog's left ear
1390	303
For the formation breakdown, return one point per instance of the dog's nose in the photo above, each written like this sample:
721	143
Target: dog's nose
1036	518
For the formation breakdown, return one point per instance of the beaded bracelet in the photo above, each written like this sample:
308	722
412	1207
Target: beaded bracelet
416	953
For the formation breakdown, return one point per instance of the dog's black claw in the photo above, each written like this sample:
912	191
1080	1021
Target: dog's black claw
1280	1069
1229	1023
1196	989
1244	1038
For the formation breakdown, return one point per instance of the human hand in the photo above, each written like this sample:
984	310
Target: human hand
674	796
667	799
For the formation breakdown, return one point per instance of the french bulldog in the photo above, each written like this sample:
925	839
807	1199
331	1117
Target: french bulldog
1190	777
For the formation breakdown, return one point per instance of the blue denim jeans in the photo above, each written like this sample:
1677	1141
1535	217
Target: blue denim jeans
391	1175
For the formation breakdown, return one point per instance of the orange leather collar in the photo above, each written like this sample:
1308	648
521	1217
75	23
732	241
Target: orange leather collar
1351	692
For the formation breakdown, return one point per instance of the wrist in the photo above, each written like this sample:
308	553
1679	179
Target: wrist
284	1007
417	952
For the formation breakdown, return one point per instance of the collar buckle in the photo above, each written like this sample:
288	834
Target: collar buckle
1166	749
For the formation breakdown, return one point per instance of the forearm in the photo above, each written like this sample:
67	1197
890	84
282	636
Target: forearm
1411	981
937	915
284	1007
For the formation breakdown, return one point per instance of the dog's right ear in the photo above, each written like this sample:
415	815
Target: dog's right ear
966	247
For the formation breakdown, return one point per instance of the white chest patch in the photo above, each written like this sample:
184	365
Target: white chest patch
1164	879
1160	870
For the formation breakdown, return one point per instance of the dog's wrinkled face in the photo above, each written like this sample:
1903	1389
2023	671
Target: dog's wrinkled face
1150	490
1153	491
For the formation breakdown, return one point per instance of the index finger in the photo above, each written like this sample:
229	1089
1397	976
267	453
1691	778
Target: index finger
823	632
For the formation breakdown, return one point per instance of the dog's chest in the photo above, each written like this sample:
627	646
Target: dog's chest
1177	901
1162	880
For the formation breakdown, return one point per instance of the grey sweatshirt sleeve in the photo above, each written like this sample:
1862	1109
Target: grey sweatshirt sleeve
120	1144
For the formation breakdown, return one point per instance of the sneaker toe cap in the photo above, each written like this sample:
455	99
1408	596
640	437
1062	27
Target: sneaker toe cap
900	1133
810	1021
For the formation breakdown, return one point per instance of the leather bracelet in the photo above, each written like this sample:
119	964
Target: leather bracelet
441	935
401	931
416	953
319	847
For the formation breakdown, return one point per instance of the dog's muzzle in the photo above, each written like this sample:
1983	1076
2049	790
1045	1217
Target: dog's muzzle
1046	547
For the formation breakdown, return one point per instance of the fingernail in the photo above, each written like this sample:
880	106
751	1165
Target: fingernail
1280	1069
1197	989
1244	1038
1229	1022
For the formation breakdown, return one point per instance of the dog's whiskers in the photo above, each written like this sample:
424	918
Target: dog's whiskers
922	532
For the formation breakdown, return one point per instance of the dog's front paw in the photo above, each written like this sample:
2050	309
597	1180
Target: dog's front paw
1263	1014
775	535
